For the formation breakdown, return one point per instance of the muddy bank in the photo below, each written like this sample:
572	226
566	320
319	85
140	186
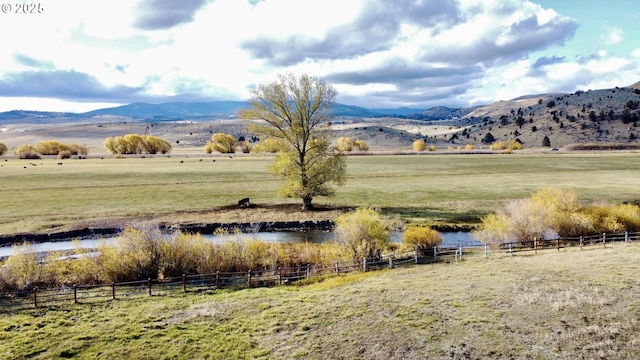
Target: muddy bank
7	240
252	227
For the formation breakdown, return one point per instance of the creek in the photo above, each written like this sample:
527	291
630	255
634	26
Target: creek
314	236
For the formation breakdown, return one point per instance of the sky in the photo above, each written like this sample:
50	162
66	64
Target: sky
81	55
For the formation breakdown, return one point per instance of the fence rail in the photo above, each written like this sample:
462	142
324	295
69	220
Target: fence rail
271	277
154	287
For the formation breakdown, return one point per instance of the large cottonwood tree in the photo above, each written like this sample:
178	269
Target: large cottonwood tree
297	110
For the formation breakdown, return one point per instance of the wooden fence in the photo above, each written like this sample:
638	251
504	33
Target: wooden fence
156	287
257	278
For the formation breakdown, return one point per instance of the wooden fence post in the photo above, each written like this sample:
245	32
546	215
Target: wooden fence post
364	264
218	278
581	242
75	294
391	261
113	290
510	250
626	237
184	282
435	253
309	270
535	245
558	243
604	240
149	285
35	297
416	255
249	278
337	268
460	246
279	275
486	251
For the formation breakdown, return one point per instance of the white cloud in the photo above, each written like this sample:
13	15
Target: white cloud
612	36
376	52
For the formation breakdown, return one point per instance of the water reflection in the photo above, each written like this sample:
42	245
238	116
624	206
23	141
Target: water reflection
450	239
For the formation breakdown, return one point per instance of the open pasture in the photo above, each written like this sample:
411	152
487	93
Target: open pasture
40	196
568	304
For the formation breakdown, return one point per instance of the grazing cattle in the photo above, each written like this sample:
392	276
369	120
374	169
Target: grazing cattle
59	164
244	203
181	161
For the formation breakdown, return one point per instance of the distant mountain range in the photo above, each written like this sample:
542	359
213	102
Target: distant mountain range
201	111
605	115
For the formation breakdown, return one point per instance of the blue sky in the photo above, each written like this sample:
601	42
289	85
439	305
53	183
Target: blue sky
76	55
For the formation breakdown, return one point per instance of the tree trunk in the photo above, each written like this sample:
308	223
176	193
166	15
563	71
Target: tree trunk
306	203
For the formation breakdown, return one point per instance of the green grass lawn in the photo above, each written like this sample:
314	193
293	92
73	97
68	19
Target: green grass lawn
436	189
555	305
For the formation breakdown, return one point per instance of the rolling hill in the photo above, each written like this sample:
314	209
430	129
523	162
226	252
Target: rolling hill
603	116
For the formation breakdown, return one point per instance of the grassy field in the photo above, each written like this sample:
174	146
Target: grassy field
555	305
436	189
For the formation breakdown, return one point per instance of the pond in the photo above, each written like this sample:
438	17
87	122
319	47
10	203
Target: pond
313	236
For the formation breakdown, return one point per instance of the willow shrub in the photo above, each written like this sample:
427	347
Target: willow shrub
22	270
77	149
552	213
51	147
347	144
419	145
3	149
222	143
364	232
506	145
136	257
145	252
422	238
27	151
269	145
135	144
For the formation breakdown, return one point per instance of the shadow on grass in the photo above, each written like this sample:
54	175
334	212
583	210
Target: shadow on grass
439	219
